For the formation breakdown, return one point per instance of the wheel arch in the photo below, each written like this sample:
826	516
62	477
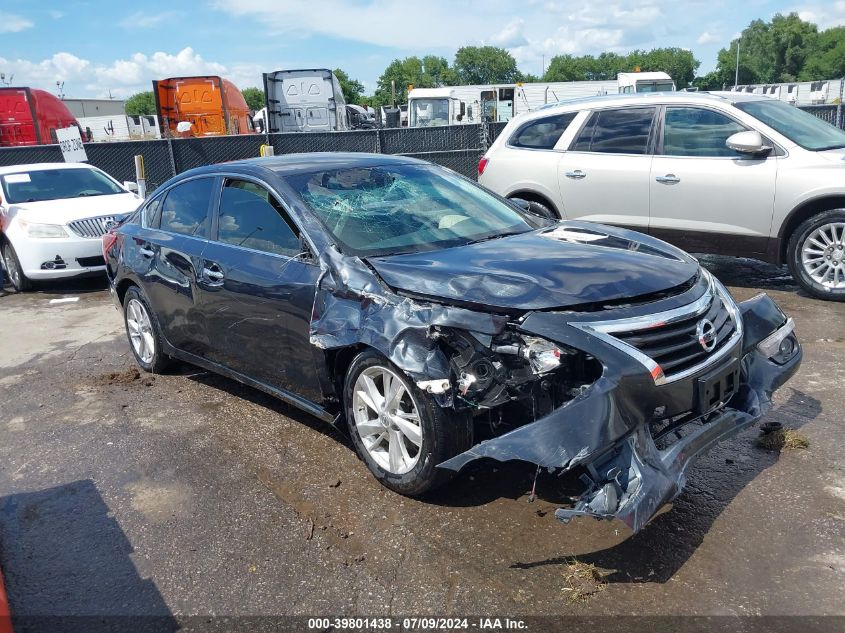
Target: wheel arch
122	288
799	214
533	196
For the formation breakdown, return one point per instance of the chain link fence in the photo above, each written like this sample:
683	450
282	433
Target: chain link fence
458	147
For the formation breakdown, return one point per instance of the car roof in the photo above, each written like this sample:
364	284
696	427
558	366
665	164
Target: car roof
291	164
645	98
16	169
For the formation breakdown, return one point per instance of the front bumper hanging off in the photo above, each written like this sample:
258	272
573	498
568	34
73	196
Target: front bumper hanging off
609	429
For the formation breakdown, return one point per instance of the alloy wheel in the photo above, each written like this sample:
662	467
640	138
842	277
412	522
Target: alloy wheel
10	263
140	330
823	255
387	420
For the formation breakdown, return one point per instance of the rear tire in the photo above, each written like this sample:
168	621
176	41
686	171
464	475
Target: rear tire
442	433
143	332
19	281
816	255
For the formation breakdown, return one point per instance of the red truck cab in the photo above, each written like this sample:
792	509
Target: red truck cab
29	116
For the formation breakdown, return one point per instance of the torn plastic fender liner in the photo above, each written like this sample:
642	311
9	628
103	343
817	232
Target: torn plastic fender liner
352	306
629	477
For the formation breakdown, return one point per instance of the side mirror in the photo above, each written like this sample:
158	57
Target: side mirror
130	186
748	142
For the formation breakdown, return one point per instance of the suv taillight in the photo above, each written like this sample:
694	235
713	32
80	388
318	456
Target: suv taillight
482	164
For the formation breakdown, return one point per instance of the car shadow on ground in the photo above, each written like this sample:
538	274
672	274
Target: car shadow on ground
662	547
71	286
742	272
67	566
256	396
655	553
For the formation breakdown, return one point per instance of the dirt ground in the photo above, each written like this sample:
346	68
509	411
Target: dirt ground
187	494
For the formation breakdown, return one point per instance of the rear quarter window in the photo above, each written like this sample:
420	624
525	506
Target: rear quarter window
543	133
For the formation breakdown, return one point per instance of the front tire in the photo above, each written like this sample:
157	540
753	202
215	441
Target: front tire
816	255
143	332
397	429
19	281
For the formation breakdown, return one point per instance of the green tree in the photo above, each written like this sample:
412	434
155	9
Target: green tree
769	52
402	72
438	72
141	103
567	68
678	63
254	98
827	57
485	65
352	88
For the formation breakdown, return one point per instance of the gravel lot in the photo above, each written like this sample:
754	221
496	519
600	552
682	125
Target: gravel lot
187	494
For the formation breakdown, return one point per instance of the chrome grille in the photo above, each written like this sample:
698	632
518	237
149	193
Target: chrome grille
675	346
92	227
668	344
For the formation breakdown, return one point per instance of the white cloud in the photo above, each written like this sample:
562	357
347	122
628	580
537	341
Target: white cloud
141	20
57	15
512	35
12	23
825	15
544	28
708	38
122	77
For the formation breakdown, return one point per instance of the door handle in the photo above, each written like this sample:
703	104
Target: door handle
576	174
668	179
212	275
211	272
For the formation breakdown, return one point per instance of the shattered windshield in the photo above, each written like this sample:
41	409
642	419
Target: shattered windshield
385	210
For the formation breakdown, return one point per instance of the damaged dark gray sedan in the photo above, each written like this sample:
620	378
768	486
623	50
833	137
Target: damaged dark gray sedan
442	324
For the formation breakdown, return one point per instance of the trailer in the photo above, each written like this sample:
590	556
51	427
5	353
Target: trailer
799	93
121	127
308	100
455	105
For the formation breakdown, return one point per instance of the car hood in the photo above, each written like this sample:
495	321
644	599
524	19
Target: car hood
565	265
70	209
833	155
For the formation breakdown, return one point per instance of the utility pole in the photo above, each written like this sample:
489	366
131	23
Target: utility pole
736	77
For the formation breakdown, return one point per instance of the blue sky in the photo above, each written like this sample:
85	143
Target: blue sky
99	47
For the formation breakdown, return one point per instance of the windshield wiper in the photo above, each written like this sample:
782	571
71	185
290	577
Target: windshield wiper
84	194
495	236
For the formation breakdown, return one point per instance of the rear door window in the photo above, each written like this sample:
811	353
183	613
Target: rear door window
542	133
619	131
185	208
251	217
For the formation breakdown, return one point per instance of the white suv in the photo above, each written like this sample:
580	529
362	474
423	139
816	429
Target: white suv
52	218
720	173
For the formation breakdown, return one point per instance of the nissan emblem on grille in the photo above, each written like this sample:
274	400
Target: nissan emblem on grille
706	333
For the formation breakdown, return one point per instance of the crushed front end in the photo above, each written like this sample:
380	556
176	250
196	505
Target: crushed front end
677	375
627	390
